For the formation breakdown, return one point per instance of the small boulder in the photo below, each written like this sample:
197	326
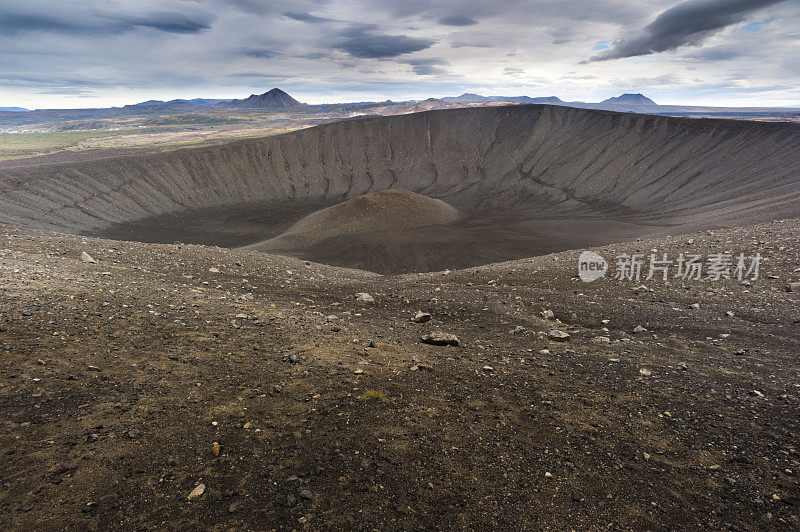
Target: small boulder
421	317
558	336
364	297
85	257
440	338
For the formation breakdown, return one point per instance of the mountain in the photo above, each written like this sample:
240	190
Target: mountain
471	98
467	97
274	99
14	109
630	99
175	105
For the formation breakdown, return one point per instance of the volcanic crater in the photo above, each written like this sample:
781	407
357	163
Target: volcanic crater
429	191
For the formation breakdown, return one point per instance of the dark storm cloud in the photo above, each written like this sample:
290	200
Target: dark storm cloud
428	70
169	22
12	23
313	55
364	42
306	17
261	54
457	20
687	23
428	66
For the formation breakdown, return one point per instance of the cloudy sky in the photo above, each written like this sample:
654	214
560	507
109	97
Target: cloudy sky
84	53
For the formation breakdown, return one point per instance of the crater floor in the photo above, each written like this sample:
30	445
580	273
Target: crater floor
524	180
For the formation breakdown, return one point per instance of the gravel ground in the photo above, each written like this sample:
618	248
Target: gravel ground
262	386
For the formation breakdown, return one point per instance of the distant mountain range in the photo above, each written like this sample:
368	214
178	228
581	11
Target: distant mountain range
278	99
274	99
468	98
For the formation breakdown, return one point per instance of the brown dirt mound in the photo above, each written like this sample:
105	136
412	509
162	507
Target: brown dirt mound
388	210
382	213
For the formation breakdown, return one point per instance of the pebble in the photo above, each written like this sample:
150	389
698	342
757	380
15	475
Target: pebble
645	372
364	297
421	317
307	495
196	492
85	257
639	329
558	336
548	314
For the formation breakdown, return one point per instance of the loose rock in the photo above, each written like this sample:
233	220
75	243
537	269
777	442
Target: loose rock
440	338
196	492
421	317
558	336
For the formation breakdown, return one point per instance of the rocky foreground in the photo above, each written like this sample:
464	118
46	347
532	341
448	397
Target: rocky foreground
152	386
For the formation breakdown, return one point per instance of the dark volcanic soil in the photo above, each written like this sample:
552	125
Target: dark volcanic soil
116	379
